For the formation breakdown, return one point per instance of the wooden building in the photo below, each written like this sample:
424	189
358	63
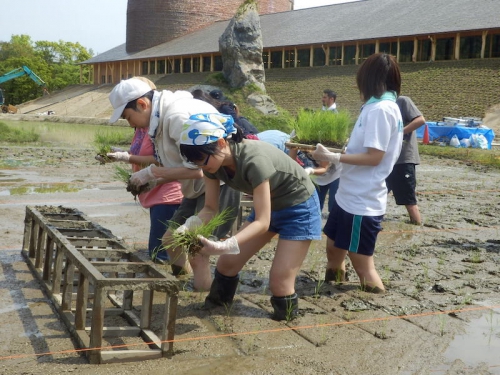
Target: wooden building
340	34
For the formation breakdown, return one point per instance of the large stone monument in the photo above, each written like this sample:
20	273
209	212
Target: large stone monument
241	48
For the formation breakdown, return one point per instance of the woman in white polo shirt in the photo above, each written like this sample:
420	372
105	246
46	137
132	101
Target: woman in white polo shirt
372	151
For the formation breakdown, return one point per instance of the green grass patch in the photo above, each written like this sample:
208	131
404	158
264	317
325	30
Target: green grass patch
11	135
478	156
112	138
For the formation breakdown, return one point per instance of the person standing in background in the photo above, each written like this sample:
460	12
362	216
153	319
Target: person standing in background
329	98
402	181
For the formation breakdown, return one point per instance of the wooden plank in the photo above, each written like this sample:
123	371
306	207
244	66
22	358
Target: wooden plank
57	272
28	227
40	246
170	314
33	239
149	337
47	262
81	302
88	233
96	328
147	309
69	272
113	255
120	331
129	355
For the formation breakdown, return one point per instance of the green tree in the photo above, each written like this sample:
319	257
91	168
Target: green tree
56	63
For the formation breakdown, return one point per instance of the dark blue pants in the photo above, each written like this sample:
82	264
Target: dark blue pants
330	189
159	217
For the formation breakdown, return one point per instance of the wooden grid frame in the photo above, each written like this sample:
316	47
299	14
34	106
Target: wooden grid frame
79	263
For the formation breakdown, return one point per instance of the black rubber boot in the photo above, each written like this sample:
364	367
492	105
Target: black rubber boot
285	308
222	290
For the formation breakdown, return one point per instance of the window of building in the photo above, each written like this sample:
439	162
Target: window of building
129	75
335	57
152	67
218	63
289	58
161	67
276	59
495	50
470	47
177	65
186	65
144	68
405	51
424	50
103	79
265	59
350	55
110	79
196	64
492	48
319	57
366	50
303	57
389	47
444	48
207	63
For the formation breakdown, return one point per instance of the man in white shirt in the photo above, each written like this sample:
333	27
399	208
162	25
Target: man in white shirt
328	99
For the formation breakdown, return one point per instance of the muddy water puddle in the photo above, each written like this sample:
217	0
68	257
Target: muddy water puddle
480	344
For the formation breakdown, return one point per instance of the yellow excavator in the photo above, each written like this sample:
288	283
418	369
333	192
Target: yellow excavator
19	72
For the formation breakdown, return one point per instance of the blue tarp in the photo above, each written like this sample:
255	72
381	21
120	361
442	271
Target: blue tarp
446	132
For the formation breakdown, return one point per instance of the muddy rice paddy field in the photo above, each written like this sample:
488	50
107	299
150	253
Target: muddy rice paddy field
440	315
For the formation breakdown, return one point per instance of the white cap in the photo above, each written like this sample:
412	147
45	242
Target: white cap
123	93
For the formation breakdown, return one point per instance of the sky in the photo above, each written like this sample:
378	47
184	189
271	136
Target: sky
96	24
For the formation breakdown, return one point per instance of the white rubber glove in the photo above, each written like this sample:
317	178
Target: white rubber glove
309	170
322	153
117	149
142	177
119	156
191	223
229	246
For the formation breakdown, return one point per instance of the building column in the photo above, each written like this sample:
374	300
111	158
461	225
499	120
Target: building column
483	43
415	50
457	47
397	52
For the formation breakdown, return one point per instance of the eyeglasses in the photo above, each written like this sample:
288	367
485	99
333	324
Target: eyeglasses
204	163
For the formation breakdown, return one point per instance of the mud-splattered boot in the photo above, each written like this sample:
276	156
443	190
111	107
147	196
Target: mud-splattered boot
285	308
222	290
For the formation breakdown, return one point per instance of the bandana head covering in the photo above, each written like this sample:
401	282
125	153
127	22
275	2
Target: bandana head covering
205	128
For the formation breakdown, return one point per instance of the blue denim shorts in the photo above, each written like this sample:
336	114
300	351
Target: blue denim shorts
296	223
